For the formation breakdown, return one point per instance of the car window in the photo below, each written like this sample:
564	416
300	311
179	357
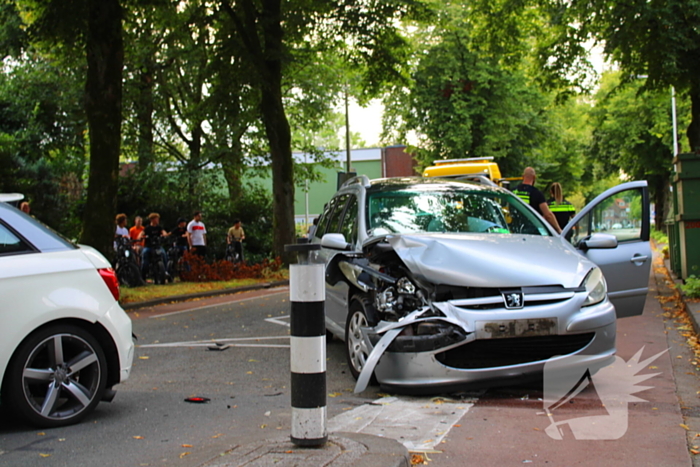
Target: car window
334	222
349	225
325	217
10	243
452	210
619	215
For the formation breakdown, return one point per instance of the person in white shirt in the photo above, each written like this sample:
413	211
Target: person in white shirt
197	235
121	230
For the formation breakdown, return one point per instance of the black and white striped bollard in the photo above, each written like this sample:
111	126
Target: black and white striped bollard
307	292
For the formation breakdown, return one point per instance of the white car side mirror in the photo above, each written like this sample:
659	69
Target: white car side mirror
335	241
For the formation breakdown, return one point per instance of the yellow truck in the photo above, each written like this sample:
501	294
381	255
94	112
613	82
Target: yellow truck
481	167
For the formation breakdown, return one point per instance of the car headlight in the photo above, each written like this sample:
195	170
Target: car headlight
596	288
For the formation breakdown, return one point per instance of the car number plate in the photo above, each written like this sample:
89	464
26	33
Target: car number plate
516	328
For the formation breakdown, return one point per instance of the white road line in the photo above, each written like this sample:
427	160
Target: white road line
284	290
420	424
279	321
234	342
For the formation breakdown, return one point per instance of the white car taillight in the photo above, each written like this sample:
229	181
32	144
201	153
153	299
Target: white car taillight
110	277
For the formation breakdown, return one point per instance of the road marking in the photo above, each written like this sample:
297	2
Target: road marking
283	321
420	424
233	342
284	290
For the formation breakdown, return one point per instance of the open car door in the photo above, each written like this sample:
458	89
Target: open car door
613	232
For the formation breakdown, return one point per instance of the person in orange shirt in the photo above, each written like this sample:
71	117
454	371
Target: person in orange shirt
134	233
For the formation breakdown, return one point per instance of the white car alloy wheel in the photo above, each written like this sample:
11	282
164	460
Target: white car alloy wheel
57	376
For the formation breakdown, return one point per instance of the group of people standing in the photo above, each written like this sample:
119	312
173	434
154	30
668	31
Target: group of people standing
556	210
185	236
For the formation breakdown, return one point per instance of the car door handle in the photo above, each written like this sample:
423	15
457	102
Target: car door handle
638	259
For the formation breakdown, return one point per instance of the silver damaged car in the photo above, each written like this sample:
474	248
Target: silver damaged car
439	285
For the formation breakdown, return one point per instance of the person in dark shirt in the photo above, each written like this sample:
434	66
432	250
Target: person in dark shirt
179	235
152	234
534	197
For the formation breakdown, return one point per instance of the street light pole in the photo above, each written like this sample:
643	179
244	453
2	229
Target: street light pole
675	122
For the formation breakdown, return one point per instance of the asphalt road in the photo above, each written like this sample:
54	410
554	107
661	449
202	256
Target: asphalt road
149	422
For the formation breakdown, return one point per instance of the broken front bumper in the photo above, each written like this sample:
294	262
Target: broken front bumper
471	348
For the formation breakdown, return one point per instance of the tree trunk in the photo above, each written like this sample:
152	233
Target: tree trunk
277	130
103	105
659	188
694	127
279	136
144	113
232	164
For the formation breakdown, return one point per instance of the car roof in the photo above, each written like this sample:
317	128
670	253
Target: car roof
399	183
11	197
32	231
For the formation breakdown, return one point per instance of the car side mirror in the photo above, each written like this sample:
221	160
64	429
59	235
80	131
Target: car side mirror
598	241
335	241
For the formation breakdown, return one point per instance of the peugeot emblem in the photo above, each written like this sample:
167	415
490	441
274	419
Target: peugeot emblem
513	299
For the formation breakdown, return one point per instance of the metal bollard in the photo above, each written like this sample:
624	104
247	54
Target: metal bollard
307	292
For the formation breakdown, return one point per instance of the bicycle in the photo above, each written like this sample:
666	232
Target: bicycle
125	266
233	252
176	262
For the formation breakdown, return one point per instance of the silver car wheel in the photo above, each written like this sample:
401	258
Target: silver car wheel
58	377
357	350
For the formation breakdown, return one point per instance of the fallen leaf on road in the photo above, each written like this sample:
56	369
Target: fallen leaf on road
143	357
45	455
187	446
684	426
335	394
695	451
41	434
184	454
137	437
217	435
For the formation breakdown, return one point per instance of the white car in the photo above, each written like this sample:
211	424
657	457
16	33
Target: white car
64	339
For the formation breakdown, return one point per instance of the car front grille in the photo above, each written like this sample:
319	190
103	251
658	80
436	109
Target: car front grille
474	299
495	353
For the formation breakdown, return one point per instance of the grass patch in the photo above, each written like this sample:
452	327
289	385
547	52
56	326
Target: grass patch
151	292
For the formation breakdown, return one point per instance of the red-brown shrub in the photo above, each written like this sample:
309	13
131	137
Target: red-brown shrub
199	271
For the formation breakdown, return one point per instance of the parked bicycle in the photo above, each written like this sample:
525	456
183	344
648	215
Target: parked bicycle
125	264
233	252
156	260
176	262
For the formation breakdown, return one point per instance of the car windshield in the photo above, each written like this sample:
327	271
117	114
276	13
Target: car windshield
450	210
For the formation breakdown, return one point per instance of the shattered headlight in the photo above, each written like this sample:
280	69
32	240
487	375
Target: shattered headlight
405	286
595	287
398	299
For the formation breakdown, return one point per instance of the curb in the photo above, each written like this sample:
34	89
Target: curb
209	293
693	308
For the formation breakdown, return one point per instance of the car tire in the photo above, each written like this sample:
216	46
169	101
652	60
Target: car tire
360	315
49	391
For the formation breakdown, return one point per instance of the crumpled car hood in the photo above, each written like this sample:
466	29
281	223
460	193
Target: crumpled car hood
491	260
